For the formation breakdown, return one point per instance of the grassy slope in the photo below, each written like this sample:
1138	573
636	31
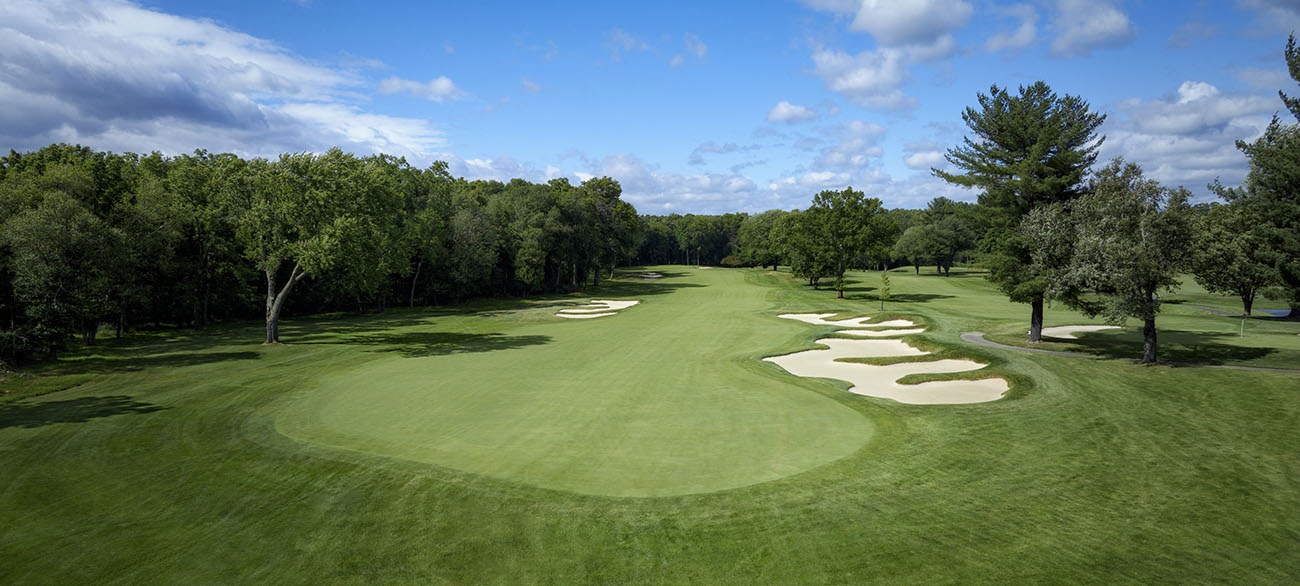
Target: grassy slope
167	468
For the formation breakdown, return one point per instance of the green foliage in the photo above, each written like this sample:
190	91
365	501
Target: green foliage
1271	192
1230	253
1131	238
884	288
1025	151
844	226
755	239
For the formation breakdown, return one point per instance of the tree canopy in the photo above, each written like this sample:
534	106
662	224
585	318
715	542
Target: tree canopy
1024	151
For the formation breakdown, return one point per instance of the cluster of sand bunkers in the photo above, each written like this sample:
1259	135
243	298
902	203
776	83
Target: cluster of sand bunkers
882	380
597	308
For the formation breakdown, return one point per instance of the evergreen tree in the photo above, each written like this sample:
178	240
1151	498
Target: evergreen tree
1025	151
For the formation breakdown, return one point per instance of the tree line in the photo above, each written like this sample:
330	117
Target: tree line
89	238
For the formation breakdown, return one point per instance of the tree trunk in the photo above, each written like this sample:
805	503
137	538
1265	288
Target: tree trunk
1149	340
415	280
275	301
595	273
1036	321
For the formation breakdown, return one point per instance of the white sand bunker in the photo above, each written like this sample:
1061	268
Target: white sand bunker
651	276
1067	332
819	319
597	308
882	381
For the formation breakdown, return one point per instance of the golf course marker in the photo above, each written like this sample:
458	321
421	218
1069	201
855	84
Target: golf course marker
881	381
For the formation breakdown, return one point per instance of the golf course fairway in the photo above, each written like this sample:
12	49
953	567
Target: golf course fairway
660	399
496	443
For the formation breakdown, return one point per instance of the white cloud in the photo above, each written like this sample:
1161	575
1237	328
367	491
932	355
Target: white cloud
111	74
870	79
790	113
906	34
1199	107
676	61
530	85
1084	25
440	89
923	155
897	23
1023	36
1188	138
853	147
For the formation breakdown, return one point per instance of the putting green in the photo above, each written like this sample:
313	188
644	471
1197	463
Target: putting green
664	398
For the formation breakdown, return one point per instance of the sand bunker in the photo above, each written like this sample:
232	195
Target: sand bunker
819	319
651	276
882	381
597	308
1067	332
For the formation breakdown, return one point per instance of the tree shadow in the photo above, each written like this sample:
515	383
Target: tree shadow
80	410
140	360
918	297
421	344
1171	346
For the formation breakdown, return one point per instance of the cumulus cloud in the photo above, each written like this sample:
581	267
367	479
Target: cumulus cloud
1023	36
906	34
921	156
870	79
1084	25
1188	138
111	74
893	23
790	113
853	145
440	89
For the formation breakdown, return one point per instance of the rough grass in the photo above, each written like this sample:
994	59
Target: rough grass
165	466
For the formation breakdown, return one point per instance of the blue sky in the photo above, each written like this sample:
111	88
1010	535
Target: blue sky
693	106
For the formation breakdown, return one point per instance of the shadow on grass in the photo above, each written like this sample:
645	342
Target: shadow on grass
1171	346
419	344
918	297
139	360
80	410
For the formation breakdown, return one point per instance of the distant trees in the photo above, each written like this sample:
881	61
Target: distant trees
89	238
755	241
938	235
1231	254
1025	151
847	226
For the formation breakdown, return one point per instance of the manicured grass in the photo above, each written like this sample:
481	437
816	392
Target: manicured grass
662	398
167	462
